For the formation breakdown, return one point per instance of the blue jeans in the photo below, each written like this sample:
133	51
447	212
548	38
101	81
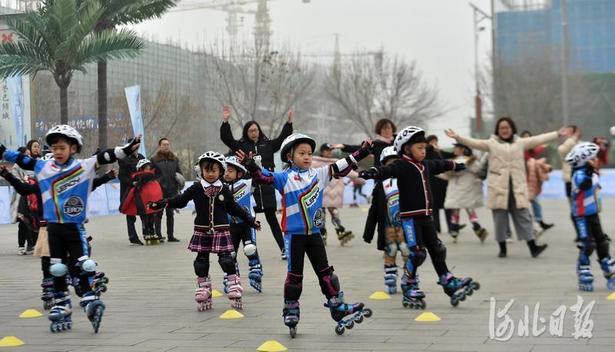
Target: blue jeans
537	210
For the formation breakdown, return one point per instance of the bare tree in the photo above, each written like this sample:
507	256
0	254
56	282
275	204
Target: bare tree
257	84
369	89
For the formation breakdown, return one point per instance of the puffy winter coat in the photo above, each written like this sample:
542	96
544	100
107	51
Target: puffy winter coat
563	150
167	165
465	188
144	189
537	173
506	164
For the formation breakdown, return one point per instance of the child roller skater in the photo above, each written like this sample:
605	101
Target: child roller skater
333	197
301	187
465	191
415	212
585	206
213	203
394	234
240	231
65	184
144	189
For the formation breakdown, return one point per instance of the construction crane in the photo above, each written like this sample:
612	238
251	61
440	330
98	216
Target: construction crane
337	54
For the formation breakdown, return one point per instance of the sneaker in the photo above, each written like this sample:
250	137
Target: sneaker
539	249
30	250
545	226
172	239
21	251
161	239
137	242
502	255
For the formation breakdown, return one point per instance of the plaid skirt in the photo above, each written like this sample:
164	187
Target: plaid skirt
216	241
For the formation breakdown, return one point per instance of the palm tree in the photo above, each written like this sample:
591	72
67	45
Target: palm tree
58	38
117	13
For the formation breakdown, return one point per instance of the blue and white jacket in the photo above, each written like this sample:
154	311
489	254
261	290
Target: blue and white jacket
242	192
391	194
585	194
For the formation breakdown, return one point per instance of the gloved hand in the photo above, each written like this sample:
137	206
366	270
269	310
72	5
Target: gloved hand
131	146
255	224
364	151
368	174
2	150
460	167
251	165
157	205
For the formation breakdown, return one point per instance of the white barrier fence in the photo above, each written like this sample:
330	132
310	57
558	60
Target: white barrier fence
105	200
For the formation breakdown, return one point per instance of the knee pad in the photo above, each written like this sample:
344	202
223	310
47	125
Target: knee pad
227	263
293	286
87	265
329	282
201	267
403	248
390	249
249	248
417	255
58	269
440	250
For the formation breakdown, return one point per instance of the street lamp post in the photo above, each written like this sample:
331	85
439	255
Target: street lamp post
479	16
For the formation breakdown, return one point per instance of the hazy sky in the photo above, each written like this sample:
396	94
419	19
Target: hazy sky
438	34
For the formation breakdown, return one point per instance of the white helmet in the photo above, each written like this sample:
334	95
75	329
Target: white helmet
581	153
213	156
232	160
405	135
141	163
290	141
48	156
387	153
66	131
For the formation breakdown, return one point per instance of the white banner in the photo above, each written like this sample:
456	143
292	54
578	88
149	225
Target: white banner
133	97
15	126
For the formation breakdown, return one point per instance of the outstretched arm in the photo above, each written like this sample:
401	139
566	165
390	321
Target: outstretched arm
99	181
226	135
259	176
110	156
23	188
233	208
24	161
287	130
480	144
343	167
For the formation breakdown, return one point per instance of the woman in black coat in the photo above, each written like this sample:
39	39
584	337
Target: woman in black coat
385	134
253	140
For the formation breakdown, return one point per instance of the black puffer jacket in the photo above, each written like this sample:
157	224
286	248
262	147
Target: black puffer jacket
264	195
438	185
167	165
128	166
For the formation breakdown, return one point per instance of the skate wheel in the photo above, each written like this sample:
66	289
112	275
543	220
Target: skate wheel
463	297
367	312
349	325
69	326
293	332
470	291
454	302
475	285
339	330
422	304
359	319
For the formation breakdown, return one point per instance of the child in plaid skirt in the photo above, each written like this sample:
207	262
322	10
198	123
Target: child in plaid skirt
213	202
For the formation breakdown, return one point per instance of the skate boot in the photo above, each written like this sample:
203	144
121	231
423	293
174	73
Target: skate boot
608	268
202	295
340	310
60	313
94	308
225	278
480	232
343	235
255	275
47	294
99	283
454	232
234	291
291	315
390	278
586	278
413	296
457	288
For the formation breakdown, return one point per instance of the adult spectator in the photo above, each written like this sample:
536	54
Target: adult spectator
385	134
128	166
563	149
167	166
439	185
506	178
254	141
537	173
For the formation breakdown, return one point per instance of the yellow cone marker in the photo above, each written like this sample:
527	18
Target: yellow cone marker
427	317
272	346
379	296
30	313
216	294
611	297
231	314
10	341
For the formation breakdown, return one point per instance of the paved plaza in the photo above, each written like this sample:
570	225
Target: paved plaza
150	302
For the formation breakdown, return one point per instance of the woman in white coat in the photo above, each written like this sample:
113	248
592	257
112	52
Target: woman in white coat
465	190
506	179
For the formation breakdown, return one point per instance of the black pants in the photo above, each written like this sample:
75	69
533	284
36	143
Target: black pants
436	218
421	235
272	220
592	236
68	244
131	220
25	234
568	186
170	213
225	259
297	246
241	233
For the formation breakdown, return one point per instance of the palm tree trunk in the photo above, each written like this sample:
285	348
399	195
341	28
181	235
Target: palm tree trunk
102	104
64	104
